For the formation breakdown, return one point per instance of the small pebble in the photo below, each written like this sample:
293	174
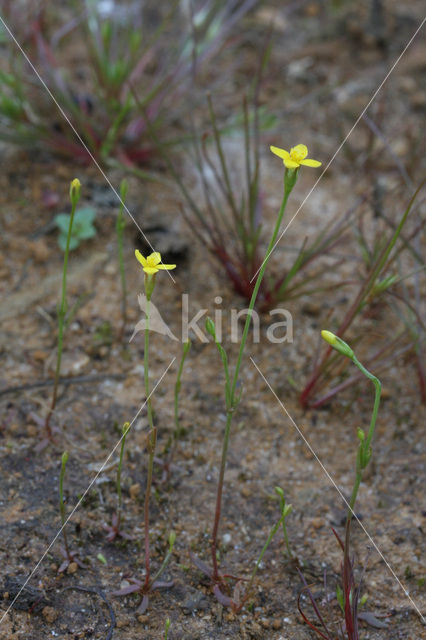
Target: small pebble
39	250
32	430
226	539
135	490
72	567
317	523
50	614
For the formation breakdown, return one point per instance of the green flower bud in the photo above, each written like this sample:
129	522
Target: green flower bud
210	327
337	343
149	284
75	191
279	492
290	179
361	435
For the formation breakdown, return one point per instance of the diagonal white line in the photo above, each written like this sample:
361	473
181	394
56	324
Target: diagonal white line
80	139
339	492
342	143
82	497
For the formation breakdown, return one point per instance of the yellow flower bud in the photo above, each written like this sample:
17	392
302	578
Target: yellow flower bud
75	191
337	343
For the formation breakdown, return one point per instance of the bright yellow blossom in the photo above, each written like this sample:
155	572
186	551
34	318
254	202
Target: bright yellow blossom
152	263
296	157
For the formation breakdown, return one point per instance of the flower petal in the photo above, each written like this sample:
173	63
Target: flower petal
166	266
311	163
154	259
291	164
150	270
140	258
281	153
299	152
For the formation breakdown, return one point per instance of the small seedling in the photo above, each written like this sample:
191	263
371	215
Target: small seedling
82	227
70	556
285	510
166	630
240	595
144	588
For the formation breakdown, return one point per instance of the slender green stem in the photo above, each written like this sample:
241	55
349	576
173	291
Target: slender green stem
272	533
152	438
166	630
61	320
185	351
173	440
126	427
61	500
363	458
355	489
378	390
172	539
290	179
260	275
364	452
120	229
285	534
146	364
120	226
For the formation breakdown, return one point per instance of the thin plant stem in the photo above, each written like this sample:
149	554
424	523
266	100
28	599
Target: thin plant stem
152	438
172	539
146	364
126	427
290	178
363	458
120	226
365	446
167	627
185	351
64	461
177	430
287	543
61	318
272	533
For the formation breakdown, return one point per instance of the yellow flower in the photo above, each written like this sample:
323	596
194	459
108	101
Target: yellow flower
152	263
296	157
